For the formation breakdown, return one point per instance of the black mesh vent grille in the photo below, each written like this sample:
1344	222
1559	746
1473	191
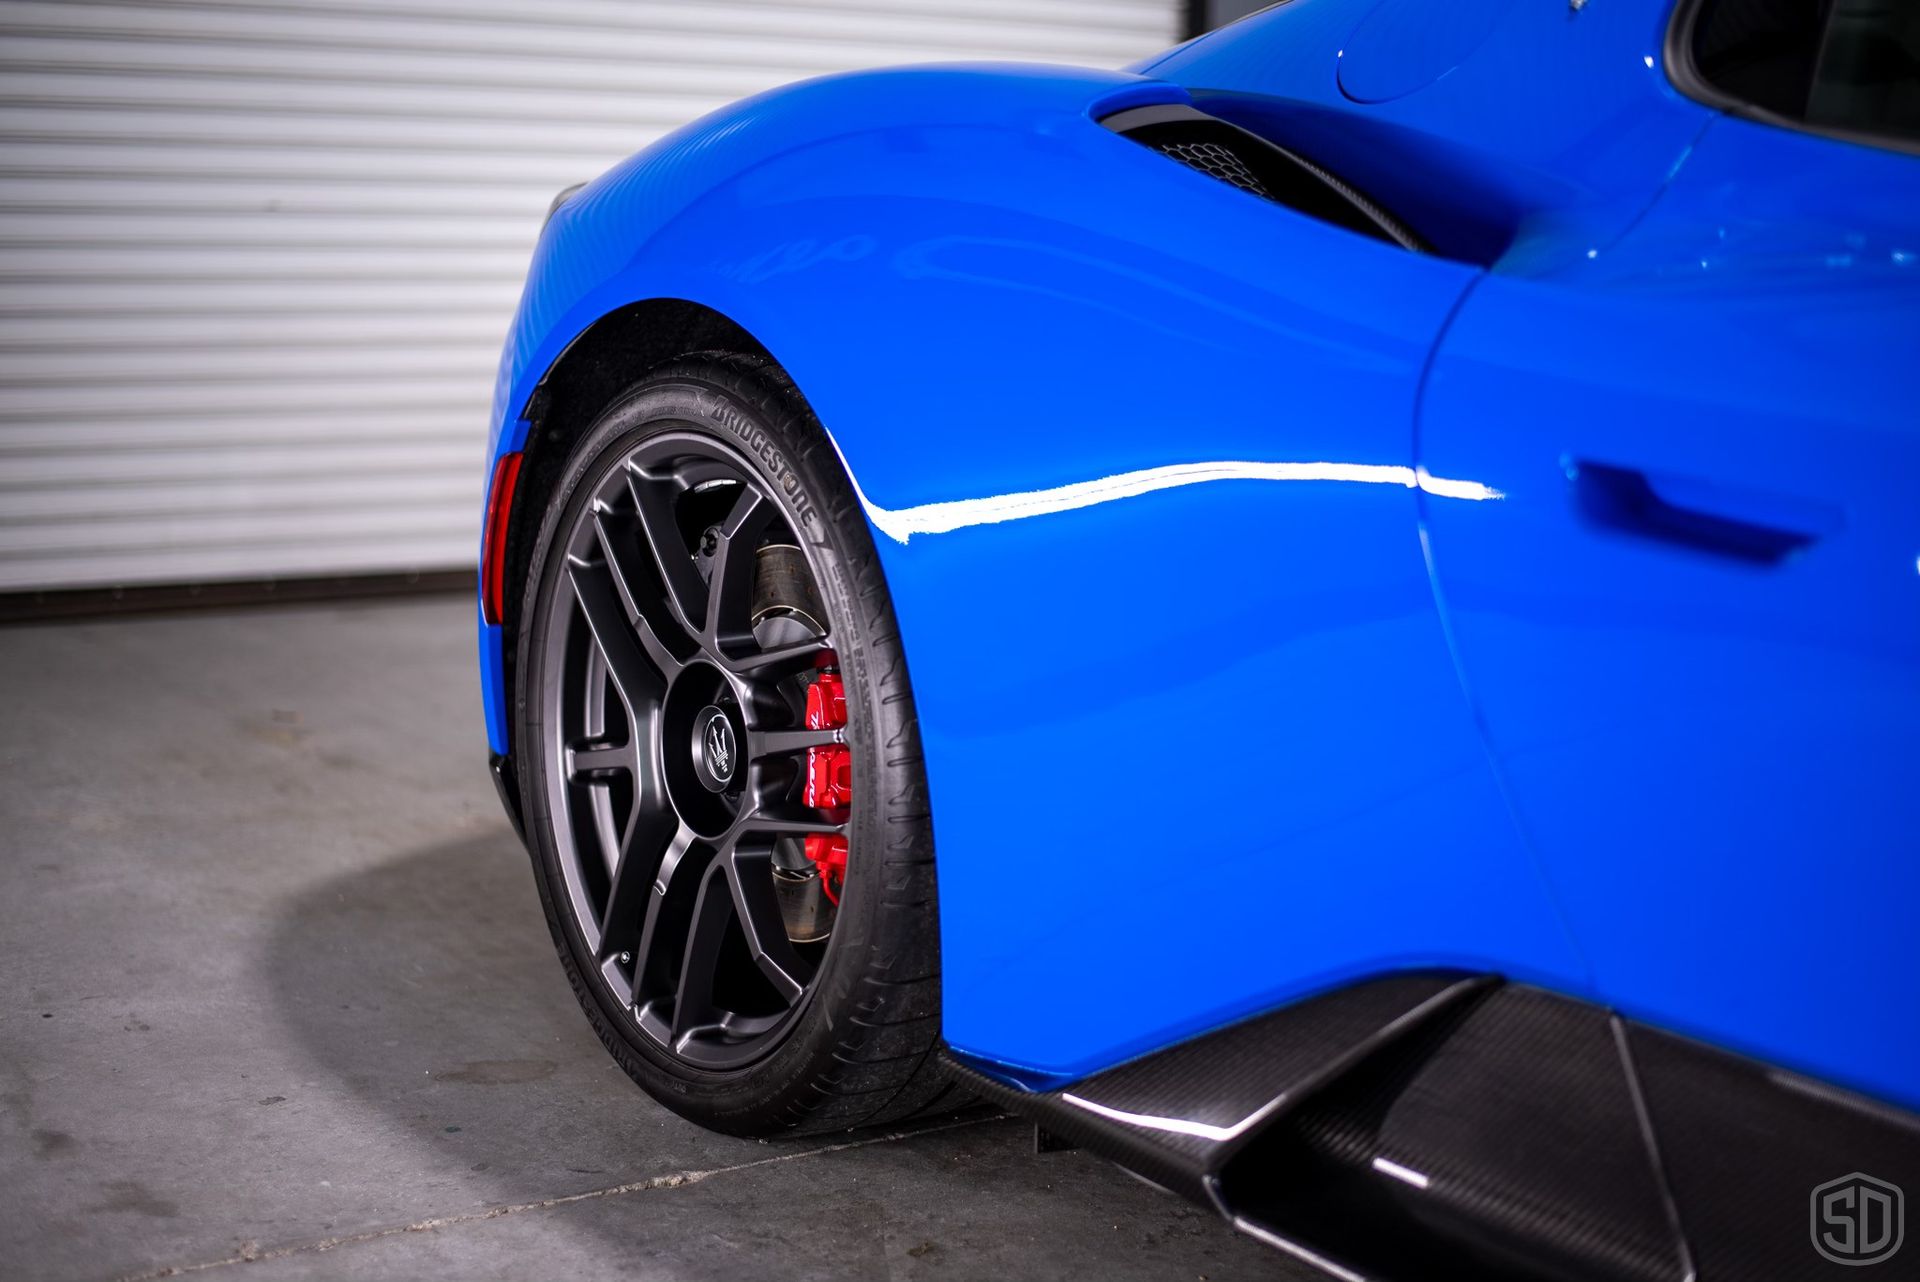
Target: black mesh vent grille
1216	161
1230	154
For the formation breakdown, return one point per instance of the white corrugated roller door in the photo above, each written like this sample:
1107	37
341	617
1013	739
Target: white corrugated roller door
256	258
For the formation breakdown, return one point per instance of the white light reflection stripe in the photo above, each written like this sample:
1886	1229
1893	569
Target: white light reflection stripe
1178	1126
902	524
1399	1172
1294	1249
1443	488
1220	1134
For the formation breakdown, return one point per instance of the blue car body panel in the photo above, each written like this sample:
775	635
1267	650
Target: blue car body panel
1713	752
1261	634
1542	135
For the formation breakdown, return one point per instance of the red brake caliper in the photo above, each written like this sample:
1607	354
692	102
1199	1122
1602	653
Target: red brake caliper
829	779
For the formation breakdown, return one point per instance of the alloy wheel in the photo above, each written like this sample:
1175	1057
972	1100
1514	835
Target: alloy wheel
699	771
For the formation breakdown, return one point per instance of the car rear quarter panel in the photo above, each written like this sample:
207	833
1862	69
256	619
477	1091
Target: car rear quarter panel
1136	449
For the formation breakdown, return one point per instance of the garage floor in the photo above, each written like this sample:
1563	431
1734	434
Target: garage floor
278	1002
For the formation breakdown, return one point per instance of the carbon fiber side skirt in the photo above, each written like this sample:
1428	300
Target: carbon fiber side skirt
1425	1127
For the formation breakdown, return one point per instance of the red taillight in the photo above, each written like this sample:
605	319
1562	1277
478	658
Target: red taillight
493	557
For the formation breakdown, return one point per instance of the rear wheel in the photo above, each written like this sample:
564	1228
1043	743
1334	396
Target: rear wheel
720	766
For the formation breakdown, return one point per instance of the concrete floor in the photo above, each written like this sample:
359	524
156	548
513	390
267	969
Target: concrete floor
278	1003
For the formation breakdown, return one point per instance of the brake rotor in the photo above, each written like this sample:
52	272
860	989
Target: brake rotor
786	610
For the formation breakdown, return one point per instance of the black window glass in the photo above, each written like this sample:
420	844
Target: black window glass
1867	78
1851	65
1759	51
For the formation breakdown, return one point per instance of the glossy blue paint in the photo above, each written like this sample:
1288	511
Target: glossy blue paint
1715	754
1140	455
1404	45
1538	137
494	695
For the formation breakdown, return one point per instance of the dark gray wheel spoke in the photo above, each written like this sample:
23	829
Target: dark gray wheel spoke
789	821
653	500
639	682
669	907
591	761
730	582
631	572
750	874
776	743
653	837
781	661
713	910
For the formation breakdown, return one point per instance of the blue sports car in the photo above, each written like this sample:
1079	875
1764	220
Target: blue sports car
1333	616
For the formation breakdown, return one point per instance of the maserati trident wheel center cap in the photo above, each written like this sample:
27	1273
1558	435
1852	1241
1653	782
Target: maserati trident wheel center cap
716	752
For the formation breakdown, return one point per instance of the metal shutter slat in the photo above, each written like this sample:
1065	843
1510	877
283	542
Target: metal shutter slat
257	258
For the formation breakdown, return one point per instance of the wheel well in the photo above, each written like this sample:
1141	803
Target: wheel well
607	357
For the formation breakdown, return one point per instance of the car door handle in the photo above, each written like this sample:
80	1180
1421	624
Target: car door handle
1751	525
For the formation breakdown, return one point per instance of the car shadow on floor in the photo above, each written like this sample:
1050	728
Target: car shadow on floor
426	996
428	987
426	990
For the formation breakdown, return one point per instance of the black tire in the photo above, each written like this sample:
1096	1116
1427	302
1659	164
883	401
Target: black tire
858	1045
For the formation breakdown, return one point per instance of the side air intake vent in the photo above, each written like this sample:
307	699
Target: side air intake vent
1230	154
1216	160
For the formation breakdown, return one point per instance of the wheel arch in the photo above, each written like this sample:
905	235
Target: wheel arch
605	358
679	249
